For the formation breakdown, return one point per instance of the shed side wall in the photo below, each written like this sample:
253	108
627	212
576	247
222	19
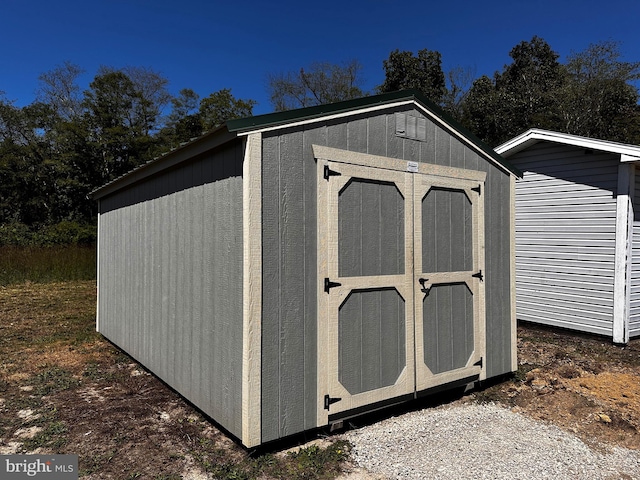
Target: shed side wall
171	279
634	311
565	237
289	253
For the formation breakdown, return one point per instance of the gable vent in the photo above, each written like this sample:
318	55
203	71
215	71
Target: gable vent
409	126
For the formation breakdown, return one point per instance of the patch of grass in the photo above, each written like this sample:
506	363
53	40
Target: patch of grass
37	316
520	375
96	372
53	437
46	264
21	402
309	463
53	379
315	462
91	405
94	463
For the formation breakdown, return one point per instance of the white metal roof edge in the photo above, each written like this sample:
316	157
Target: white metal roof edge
629	153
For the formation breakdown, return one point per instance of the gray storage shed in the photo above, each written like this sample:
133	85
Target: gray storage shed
577	232
286	271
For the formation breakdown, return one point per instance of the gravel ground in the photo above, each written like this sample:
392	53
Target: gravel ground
482	442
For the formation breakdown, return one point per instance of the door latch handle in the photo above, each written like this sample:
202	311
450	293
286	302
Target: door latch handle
425	287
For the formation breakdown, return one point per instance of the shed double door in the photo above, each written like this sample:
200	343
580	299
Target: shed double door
402	305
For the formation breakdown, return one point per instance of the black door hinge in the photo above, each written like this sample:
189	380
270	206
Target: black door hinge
479	363
330	173
328	285
478	189
328	401
478	275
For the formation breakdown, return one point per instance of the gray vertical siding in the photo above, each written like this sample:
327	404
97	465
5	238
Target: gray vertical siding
289	281
171	279
289	357
448	327
372	339
634	310
371	242
565	237
447	240
498	272
366	247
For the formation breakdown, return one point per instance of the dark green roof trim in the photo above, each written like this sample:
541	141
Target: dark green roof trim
309	113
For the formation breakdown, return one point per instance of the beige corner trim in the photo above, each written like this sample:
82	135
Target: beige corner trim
252	291
512	269
481	311
622	272
322	416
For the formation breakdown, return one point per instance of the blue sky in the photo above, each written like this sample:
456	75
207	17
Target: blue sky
210	45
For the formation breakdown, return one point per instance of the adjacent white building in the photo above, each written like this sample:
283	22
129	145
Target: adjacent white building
577	232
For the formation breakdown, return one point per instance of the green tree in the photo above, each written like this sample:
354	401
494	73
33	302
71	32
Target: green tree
29	169
121	117
459	82
526	94
60	90
482	111
191	116
601	99
423	72
151	96
318	84
221	106
184	122
58	149
532	83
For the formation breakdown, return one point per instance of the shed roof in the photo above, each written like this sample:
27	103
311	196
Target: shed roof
628	153
273	121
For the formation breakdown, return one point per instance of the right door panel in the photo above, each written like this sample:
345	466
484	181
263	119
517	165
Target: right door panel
449	262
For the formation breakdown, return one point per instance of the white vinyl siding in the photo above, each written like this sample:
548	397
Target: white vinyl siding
634	311
565	237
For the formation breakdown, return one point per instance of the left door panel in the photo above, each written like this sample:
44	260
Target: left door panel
368	288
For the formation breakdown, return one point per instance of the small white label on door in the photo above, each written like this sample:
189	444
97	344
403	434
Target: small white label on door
412	167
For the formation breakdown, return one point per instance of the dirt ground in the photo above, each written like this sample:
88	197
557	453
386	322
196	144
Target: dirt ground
584	384
64	389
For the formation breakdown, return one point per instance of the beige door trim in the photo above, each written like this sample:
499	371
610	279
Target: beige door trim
329	303
425	379
401	173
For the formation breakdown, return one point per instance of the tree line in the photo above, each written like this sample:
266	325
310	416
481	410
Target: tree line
593	93
56	150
